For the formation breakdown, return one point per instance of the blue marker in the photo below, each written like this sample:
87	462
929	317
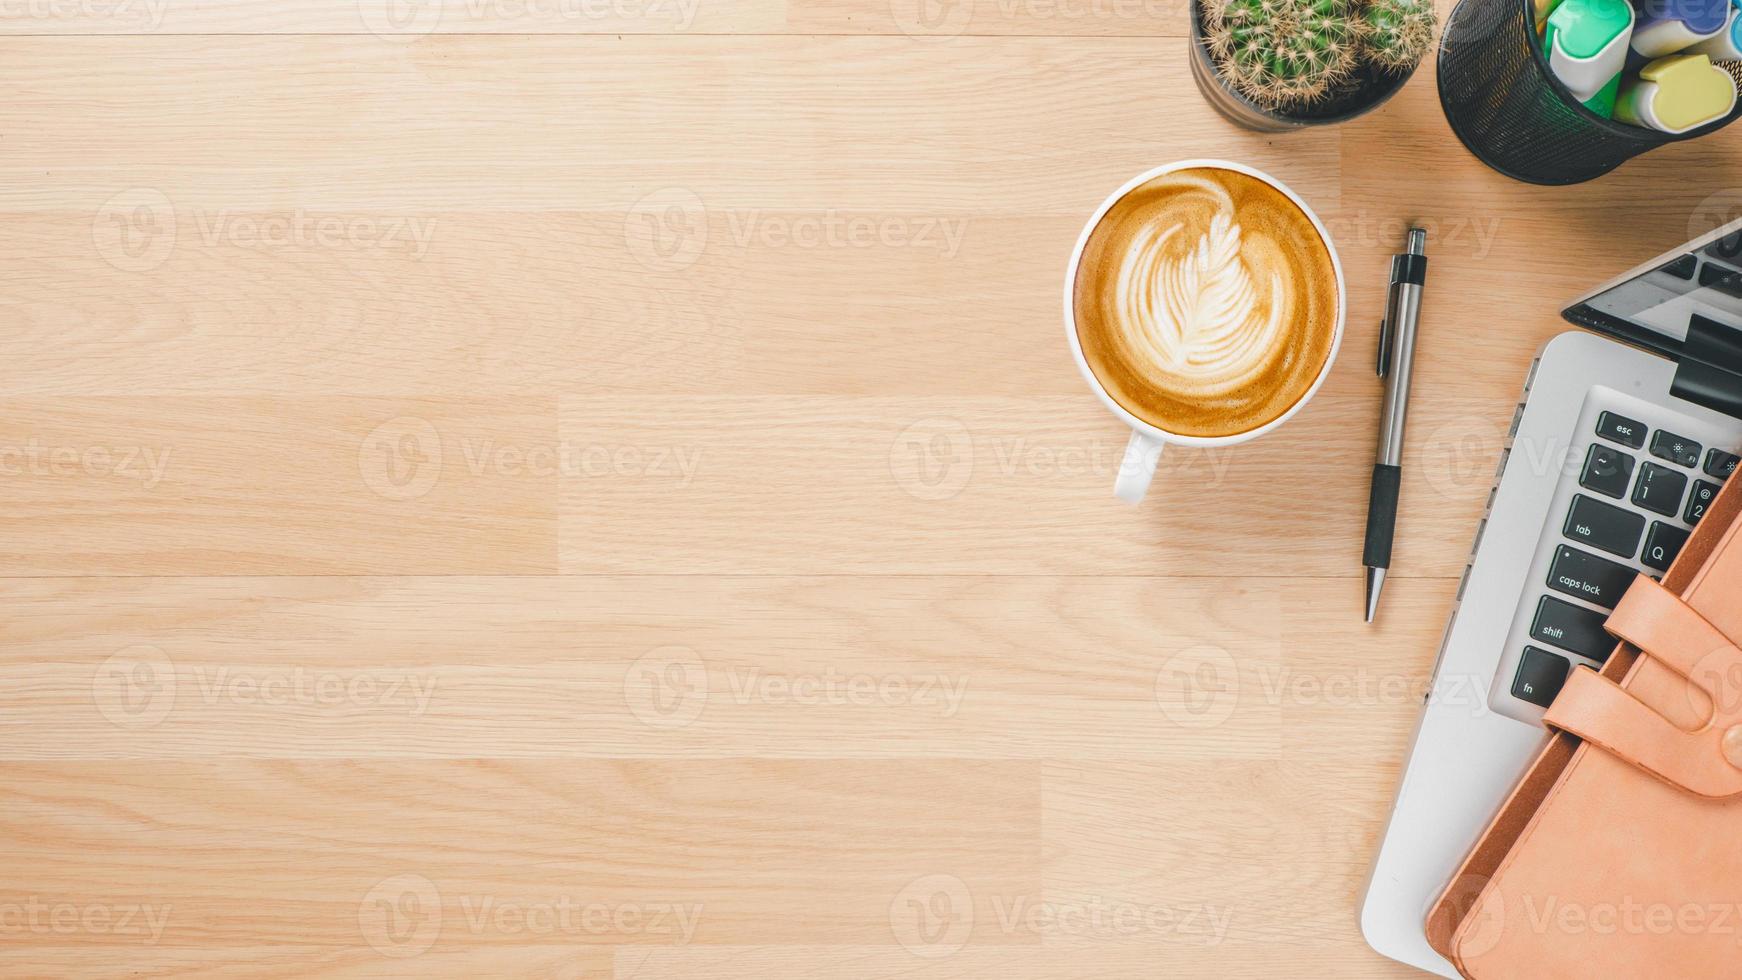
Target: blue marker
1726	45
1668	26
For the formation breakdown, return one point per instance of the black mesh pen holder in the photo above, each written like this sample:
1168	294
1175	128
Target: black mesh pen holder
1515	116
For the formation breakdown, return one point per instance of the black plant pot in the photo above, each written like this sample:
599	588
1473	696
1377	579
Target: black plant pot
1362	92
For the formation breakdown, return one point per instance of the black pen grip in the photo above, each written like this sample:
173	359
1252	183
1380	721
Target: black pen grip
1381	515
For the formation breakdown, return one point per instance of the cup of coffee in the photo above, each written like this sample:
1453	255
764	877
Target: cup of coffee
1204	303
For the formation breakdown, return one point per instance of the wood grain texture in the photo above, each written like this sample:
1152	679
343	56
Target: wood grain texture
481	477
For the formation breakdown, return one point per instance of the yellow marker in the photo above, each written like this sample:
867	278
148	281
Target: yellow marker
1676	94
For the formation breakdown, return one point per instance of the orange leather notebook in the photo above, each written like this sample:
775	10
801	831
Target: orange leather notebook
1620	852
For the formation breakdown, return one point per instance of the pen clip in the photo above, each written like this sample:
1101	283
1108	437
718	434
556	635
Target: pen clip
1388	325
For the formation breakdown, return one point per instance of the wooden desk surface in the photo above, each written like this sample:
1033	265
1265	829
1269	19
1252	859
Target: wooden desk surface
598	488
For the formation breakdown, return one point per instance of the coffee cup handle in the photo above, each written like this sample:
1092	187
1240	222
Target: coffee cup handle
1138	468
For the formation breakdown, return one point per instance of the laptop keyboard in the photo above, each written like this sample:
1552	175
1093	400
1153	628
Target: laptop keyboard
1641	489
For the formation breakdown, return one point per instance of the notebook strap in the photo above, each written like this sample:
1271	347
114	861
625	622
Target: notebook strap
1707	762
1656	621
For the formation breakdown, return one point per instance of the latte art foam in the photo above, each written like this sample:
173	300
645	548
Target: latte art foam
1198	315
1206	302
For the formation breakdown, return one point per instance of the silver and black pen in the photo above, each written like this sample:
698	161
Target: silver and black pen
1396	359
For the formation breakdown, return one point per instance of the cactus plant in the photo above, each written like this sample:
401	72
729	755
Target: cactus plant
1396	33
1284	55
1281	53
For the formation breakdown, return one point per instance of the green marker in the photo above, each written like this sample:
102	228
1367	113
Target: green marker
1586	44
1603	103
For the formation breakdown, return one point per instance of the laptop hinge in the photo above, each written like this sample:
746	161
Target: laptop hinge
1710	373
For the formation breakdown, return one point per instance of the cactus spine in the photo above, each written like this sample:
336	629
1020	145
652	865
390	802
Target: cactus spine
1396	33
1281	53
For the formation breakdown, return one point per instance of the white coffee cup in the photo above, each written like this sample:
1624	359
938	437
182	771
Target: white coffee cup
1143	451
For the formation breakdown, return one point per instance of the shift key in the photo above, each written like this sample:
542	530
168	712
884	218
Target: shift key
1572	628
1589	577
1604	526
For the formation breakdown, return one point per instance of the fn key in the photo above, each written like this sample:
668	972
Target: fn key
1540	676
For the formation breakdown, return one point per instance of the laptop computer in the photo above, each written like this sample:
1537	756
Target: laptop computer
1622	437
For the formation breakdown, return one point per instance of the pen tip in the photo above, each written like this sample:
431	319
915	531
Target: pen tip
1375	583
